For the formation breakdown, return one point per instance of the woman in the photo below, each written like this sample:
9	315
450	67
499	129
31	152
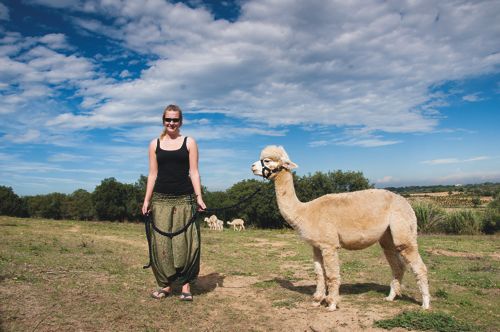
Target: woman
172	190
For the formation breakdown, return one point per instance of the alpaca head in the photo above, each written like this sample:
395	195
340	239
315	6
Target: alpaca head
273	159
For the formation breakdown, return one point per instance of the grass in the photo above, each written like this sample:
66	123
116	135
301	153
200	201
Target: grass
432	321
69	275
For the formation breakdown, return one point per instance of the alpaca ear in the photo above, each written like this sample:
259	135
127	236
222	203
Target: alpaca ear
289	164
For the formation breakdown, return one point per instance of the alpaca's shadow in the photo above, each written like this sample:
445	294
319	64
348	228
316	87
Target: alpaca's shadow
345	289
207	283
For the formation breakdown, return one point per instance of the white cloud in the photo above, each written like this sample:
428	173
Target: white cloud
472	97
67	157
125	73
55	41
370	68
385	179
454	160
30	136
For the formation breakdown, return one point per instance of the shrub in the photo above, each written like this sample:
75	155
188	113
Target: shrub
429	216
491	217
463	222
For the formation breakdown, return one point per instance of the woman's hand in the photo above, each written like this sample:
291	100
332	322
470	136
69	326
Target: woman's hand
201	204
145	208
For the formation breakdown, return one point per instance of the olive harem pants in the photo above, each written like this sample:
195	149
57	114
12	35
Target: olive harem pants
175	259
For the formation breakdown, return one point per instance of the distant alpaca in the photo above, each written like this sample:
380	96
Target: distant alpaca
352	221
219	225
212	222
238	224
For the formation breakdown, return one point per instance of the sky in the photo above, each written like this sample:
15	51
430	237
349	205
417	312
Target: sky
406	92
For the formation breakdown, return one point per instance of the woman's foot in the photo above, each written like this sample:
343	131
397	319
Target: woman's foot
186	293
160	293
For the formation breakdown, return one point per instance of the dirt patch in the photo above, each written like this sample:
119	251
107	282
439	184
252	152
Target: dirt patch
75	229
260	305
442	252
134	243
267	243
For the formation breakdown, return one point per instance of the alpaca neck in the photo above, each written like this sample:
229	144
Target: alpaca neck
288	203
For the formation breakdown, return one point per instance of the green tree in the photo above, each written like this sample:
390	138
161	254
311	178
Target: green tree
313	186
135	198
47	206
79	206
261	210
110	200
11	204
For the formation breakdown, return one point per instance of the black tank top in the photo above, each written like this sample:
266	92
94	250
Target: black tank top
173	171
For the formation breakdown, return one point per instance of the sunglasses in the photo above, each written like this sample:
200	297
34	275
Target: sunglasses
174	120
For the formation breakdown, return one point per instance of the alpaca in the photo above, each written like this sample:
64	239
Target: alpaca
212	222
238	224
207	220
219	225
353	221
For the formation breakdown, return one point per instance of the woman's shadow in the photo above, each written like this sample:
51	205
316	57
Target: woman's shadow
358	288
207	283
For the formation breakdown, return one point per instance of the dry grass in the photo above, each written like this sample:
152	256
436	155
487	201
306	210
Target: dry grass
88	276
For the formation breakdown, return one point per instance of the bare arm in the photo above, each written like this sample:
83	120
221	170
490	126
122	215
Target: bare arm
153	172
194	172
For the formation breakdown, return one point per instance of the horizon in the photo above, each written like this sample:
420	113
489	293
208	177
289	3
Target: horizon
407	94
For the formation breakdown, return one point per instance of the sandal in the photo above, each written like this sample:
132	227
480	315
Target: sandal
160	293
186	297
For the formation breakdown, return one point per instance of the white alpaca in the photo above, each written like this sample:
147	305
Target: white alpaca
212	222
238	224
219	225
352	221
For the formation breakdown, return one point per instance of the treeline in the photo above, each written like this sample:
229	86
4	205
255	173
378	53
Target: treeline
112	200
481	189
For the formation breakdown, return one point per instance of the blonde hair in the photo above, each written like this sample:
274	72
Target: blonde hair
172	108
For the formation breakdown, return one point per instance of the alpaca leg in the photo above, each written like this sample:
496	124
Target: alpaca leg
412	257
398	270
332	273
320	293
396	263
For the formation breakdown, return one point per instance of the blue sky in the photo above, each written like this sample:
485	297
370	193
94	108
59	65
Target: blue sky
407	92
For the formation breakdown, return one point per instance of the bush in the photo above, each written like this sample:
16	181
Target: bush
491	217
463	222
429	216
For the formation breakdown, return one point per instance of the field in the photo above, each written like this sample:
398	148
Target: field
451	200
88	276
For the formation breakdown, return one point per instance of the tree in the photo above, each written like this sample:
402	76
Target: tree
11	204
47	206
79	206
259	211
313	186
110	200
